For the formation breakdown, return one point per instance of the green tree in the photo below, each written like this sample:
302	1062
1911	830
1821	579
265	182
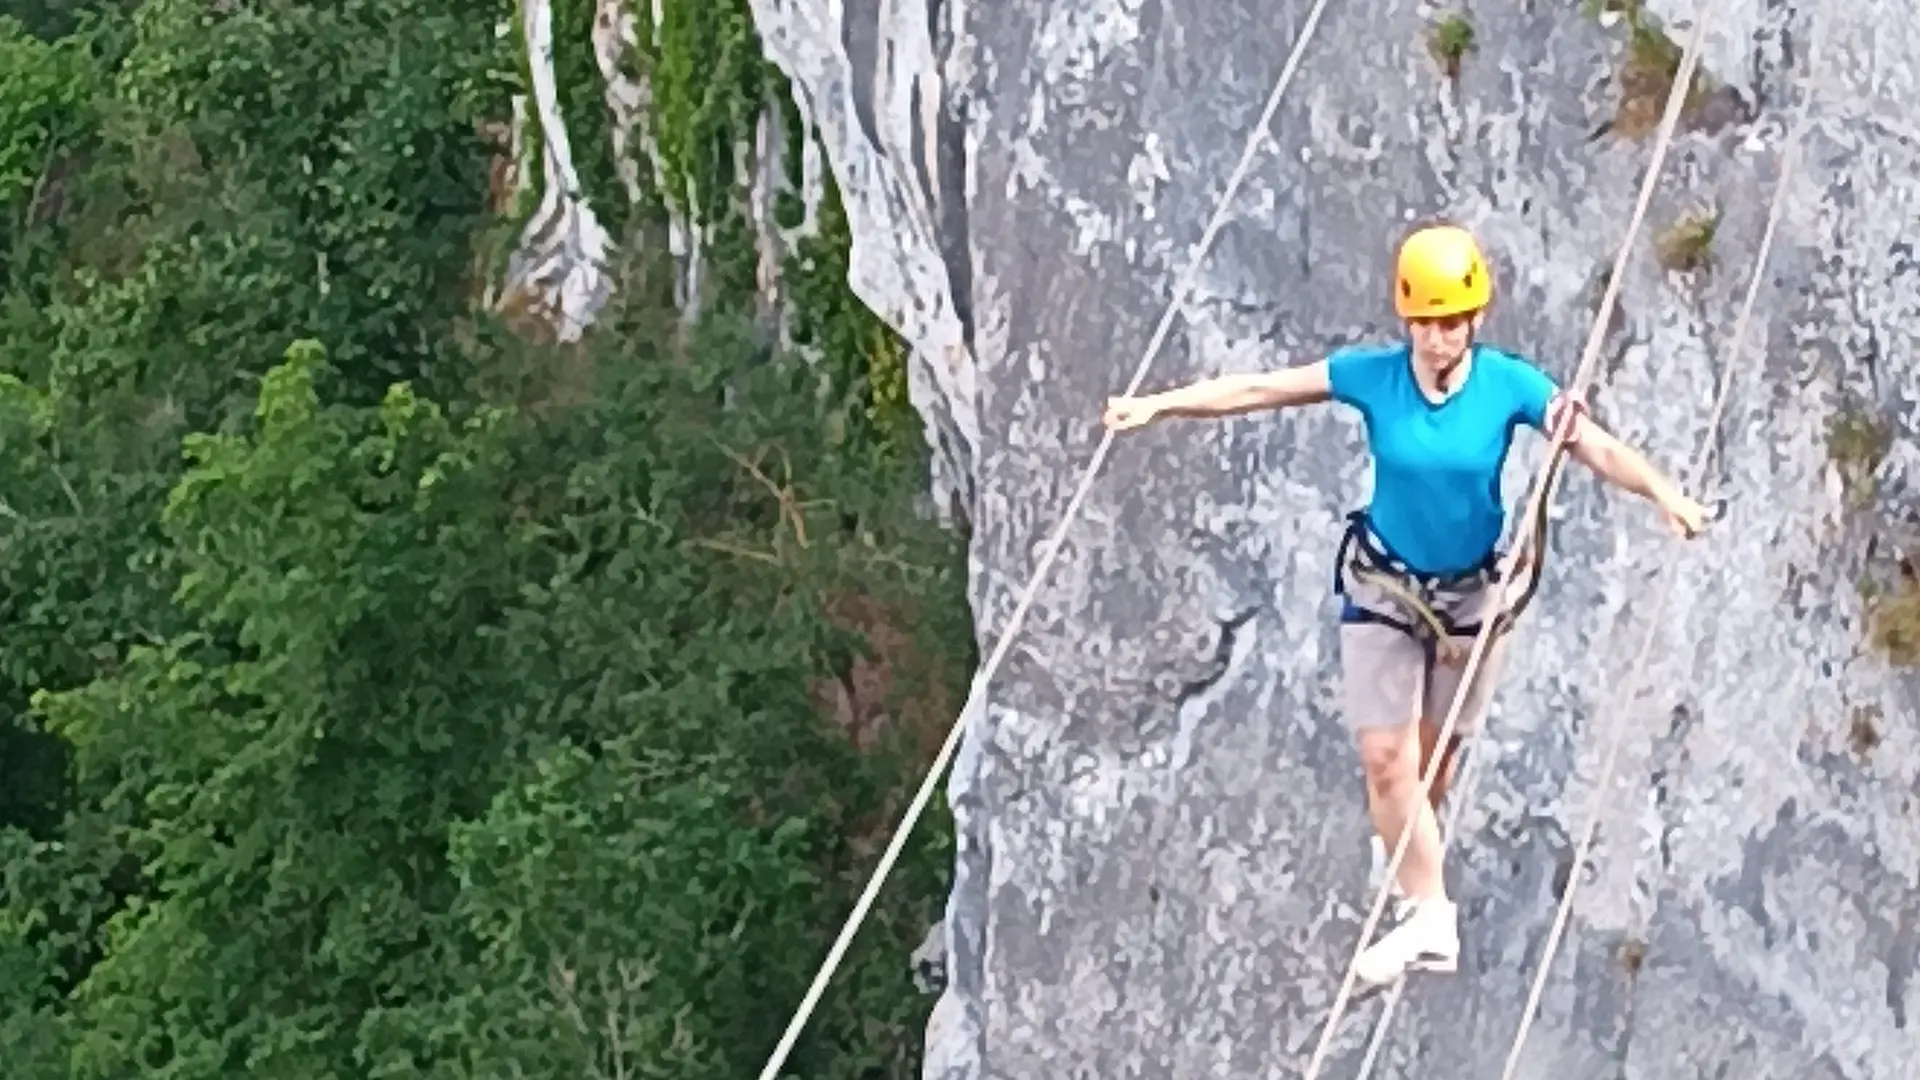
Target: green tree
458	757
46	110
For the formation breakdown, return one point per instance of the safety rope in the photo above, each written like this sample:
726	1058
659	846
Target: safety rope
1789	160
1576	391
1052	551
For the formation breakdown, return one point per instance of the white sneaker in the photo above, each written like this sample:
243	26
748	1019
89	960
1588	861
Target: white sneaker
1427	939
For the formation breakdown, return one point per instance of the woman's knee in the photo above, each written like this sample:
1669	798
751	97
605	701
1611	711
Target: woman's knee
1387	756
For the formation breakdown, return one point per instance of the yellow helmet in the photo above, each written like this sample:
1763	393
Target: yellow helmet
1441	272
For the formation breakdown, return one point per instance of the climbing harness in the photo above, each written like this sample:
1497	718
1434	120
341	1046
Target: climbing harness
1426	600
977	696
1535	520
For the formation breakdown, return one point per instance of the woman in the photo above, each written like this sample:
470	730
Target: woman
1439	410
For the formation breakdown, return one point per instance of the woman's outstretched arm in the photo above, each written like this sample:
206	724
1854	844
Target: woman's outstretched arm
1225	395
1629	470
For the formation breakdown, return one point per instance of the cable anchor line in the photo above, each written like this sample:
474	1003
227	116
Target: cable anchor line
1700	471
1542	491
977	695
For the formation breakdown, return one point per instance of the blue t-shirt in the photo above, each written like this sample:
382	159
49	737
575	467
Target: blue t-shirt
1437	503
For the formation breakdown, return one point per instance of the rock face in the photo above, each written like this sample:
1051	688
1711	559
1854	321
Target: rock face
1162	863
558	271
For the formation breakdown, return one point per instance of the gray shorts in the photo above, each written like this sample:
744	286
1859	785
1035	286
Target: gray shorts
1385	677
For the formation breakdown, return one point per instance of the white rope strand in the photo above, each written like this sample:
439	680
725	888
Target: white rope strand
1576	390
1789	159
1052	551
1788	163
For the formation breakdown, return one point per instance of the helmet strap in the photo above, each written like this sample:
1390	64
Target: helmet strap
1444	378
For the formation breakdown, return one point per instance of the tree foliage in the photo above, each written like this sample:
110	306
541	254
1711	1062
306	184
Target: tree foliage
385	696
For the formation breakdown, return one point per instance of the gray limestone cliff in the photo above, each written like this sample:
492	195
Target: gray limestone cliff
1162	859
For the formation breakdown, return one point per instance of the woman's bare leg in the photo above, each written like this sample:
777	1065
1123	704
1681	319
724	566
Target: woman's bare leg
1429	736
1391	759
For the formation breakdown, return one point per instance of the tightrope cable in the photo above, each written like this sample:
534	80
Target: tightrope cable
1527	534
1049	554
1789	160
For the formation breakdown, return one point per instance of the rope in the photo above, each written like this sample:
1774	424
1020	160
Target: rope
1469	771
1047	557
1789	160
1576	391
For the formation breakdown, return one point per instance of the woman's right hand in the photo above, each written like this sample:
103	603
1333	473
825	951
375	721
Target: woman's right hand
1126	413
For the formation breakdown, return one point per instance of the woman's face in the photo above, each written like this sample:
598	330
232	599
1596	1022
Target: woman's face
1439	342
